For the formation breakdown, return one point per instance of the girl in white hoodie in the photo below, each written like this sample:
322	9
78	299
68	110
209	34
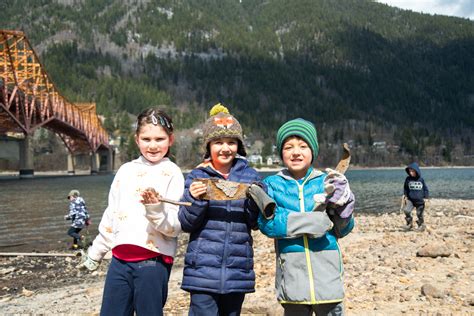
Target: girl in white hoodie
142	239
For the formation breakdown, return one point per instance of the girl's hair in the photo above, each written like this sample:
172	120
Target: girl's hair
156	117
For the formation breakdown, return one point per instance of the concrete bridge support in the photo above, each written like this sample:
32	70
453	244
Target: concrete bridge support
71	170
26	158
105	160
95	162
110	160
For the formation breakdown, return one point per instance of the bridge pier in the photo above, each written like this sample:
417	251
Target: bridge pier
71	170
95	163
26	158
110	160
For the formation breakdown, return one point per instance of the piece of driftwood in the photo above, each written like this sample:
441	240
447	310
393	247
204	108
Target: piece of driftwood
37	254
343	164
341	167
464	216
221	190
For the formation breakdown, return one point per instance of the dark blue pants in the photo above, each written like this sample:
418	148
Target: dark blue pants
140	287
74	233
209	304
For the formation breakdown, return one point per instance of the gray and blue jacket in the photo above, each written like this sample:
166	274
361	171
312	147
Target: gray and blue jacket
78	213
219	257
309	265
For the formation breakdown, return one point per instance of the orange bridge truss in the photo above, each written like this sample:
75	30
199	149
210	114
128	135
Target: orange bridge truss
29	100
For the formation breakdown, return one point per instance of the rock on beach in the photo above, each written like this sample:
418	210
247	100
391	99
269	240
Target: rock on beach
388	271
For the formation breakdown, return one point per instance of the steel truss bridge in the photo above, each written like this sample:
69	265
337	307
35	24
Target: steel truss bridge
29	100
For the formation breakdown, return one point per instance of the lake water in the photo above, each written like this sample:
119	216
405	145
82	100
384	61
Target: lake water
32	210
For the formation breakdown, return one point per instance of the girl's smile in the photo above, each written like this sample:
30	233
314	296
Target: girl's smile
153	142
223	151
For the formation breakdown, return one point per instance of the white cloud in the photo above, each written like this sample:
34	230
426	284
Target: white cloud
460	8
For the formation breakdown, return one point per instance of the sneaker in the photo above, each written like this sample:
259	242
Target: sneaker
422	227
409	227
75	247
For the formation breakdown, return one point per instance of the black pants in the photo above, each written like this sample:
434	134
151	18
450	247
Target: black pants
211	304
74	233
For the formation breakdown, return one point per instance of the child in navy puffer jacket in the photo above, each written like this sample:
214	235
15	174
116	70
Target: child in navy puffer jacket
219	259
415	191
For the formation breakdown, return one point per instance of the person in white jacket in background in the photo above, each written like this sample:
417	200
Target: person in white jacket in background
140	230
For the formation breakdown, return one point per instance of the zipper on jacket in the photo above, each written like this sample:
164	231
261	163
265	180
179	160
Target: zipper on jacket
226	246
306	244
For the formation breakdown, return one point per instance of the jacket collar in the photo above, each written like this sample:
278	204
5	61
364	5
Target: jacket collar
310	174
237	166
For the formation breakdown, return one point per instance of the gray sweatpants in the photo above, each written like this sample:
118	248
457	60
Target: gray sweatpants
330	309
419	213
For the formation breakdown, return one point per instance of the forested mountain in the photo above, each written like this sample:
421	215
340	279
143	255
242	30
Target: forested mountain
362	71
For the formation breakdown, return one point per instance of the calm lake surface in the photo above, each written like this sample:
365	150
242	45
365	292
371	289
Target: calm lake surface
32	210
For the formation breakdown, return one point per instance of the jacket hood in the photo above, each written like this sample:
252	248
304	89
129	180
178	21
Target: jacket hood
414	166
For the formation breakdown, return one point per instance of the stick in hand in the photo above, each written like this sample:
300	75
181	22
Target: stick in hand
150	196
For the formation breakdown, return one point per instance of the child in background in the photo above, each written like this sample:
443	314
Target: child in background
313	210
79	217
218	267
415	191
142	238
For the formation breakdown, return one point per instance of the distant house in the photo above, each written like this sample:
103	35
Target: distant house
273	160
379	145
257	159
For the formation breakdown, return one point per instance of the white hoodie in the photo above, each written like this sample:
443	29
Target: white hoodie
125	220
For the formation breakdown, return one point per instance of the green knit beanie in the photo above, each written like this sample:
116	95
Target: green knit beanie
302	128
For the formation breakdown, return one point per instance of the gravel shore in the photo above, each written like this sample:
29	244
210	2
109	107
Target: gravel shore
388	271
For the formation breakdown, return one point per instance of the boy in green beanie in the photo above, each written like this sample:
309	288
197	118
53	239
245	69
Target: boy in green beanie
312	210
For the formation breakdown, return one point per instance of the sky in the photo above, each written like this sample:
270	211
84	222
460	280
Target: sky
459	8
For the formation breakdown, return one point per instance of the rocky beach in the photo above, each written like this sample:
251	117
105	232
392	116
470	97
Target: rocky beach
388	271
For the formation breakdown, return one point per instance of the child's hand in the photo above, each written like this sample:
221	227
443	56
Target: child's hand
197	189
87	263
339	196
150	196
337	188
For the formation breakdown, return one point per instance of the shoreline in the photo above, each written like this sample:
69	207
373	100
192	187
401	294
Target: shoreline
8	173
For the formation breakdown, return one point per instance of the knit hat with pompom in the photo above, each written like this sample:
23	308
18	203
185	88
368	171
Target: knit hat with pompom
222	124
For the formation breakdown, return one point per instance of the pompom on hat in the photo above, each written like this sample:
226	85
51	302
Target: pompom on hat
301	128
222	124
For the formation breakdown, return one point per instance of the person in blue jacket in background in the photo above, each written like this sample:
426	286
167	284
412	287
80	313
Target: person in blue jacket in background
309	211
218	269
415	192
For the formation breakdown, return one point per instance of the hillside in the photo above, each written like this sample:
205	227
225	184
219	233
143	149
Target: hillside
362	71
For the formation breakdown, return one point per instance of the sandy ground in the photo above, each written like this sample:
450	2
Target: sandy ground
388	271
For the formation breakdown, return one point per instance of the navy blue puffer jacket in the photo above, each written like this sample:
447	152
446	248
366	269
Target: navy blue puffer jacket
219	258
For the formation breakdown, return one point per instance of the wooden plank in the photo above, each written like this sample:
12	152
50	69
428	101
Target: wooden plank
37	254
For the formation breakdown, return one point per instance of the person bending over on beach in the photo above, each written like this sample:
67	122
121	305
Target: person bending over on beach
415	192
142	237
79	217
218	269
306	212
